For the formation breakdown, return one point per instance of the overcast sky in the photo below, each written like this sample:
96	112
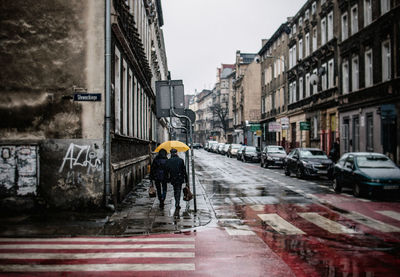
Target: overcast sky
201	34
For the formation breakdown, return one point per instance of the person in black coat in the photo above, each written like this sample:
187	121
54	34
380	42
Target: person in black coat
158	173
177	175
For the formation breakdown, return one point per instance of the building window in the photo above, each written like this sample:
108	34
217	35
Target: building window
345	26
386	61
370	132
294	29
307	46
345	76
331	75
367	12
314	127
323	31
368	68
307	14
315	86
356	134
313	8
124	114
385	6
330	26
314	39
345	132
307	85
130	102
354	19
117	91
300	21
355	74
263	105
301	49
324	80
301	88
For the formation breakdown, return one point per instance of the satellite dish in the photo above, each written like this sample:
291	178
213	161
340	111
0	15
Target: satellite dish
314	80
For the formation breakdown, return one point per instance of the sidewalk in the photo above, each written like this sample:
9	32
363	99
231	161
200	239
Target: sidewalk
138	214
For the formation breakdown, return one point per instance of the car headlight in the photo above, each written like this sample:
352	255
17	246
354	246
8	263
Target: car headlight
375	180
269	158
307	164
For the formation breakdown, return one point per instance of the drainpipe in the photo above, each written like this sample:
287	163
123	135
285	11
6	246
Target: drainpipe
107	163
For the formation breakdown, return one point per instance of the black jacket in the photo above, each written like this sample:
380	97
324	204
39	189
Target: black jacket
176	170
158	170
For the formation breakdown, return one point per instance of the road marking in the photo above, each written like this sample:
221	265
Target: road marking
95	246
326	224
372	223
257	208
108	255
280	225
321	186
96	267
83	239
391	214
239	230
312	183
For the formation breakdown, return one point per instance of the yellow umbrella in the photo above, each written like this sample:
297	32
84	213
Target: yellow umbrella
168	145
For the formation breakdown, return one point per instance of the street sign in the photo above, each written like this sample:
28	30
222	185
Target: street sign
258	133
87	97
255	127
274	127
163	97
305	126
285	123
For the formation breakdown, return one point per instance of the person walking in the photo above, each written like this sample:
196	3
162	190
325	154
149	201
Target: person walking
158	174
177	175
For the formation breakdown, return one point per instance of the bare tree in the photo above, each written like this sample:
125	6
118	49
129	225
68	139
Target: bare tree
221	113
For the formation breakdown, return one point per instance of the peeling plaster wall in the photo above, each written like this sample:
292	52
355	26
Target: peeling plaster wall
50	49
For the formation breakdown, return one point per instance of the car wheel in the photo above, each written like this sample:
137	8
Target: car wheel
287	172
357	191
336	185
299	173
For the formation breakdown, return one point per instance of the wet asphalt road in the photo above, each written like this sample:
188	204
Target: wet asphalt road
314	230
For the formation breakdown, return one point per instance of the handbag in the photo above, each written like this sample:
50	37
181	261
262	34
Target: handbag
152	190
187	194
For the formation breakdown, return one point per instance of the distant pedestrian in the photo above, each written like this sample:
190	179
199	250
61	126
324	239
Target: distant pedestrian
334	154
158	173
177	175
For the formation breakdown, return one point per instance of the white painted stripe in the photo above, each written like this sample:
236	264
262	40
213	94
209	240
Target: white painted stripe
239	232
257	208
76	239
94	246
363	200
372	223
108	255
391	214
96	267
280	225
326	224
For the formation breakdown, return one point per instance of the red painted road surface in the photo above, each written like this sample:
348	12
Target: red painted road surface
212	252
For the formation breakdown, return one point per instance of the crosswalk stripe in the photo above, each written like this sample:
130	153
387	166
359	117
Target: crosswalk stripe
95	246
391	214
96	267
257	208
280	225
95	239
108	255
326	224
371	222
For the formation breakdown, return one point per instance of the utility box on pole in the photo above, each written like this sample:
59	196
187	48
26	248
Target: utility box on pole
163	97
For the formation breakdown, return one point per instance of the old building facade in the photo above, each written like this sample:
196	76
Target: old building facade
53	99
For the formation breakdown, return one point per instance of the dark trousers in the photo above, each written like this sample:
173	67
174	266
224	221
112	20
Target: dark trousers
161	190
177	193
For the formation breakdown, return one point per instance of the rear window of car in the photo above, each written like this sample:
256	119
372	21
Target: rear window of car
313	154
236	146
374	161
276	149
250	149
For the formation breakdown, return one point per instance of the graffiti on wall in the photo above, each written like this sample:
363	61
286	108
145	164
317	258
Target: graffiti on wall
80	156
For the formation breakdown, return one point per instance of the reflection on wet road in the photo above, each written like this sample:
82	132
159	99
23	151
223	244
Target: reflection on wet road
315	231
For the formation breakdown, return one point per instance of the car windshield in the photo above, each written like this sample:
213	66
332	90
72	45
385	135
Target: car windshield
236	146
374	161
313	154
250	149
277	149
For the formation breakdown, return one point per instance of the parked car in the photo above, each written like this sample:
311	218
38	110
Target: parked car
239	152
306	162
273	155
209	145
251	154
197	145
233	149
225	150
214	147
366	173
220	148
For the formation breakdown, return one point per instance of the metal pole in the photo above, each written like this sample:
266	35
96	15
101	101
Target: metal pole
191	144
107	165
